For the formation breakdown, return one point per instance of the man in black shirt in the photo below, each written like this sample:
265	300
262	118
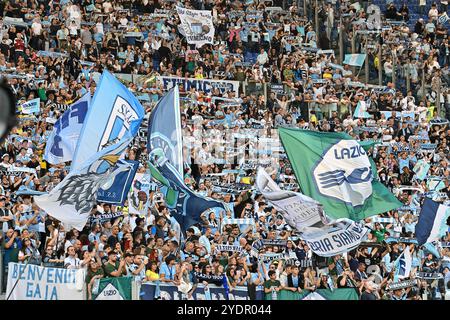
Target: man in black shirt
6	218
113	238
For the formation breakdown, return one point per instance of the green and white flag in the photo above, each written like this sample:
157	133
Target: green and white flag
334	169
112	289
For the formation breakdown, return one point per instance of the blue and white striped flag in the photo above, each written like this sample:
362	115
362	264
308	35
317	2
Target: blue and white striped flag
421	169
432	223
356	59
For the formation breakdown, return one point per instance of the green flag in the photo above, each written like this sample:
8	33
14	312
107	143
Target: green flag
113	289
335	170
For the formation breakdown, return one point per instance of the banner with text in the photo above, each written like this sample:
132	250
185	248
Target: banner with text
205	85
39	283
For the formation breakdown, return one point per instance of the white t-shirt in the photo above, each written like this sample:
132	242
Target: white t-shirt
99	27
37	28
72	262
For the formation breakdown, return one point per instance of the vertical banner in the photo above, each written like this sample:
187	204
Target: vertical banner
139	194
39	283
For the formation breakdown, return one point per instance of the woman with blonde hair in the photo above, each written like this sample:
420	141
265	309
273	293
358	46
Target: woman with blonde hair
310	279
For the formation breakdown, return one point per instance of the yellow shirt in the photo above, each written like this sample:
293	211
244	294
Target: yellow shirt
153	276
375	62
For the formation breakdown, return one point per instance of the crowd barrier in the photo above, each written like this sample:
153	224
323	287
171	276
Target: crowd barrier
170	292
32	282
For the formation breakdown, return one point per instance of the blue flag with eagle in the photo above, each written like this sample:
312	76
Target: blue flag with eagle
165	149
72	200
335	170
112	121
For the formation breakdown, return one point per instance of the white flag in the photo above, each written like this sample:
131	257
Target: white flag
298	210
197	26
324	236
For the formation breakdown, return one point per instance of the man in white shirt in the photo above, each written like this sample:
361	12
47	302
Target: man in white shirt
204	240
203	155
433	13
72	261
262	58
36	27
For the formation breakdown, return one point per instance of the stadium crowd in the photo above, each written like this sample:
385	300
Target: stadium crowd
290	74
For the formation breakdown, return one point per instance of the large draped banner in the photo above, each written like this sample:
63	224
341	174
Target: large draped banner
43	283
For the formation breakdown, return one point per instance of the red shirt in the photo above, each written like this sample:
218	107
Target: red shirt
19	45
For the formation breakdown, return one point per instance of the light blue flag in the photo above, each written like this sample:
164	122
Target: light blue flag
32	106
435	184
356	59
114	112
421	169
28	191
62	142
432	249
361	110
164	129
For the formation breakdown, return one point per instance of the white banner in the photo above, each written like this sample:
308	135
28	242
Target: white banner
139	194
197	26
297	209
205	85
16	171
325	238
39	283
226	247
338	237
